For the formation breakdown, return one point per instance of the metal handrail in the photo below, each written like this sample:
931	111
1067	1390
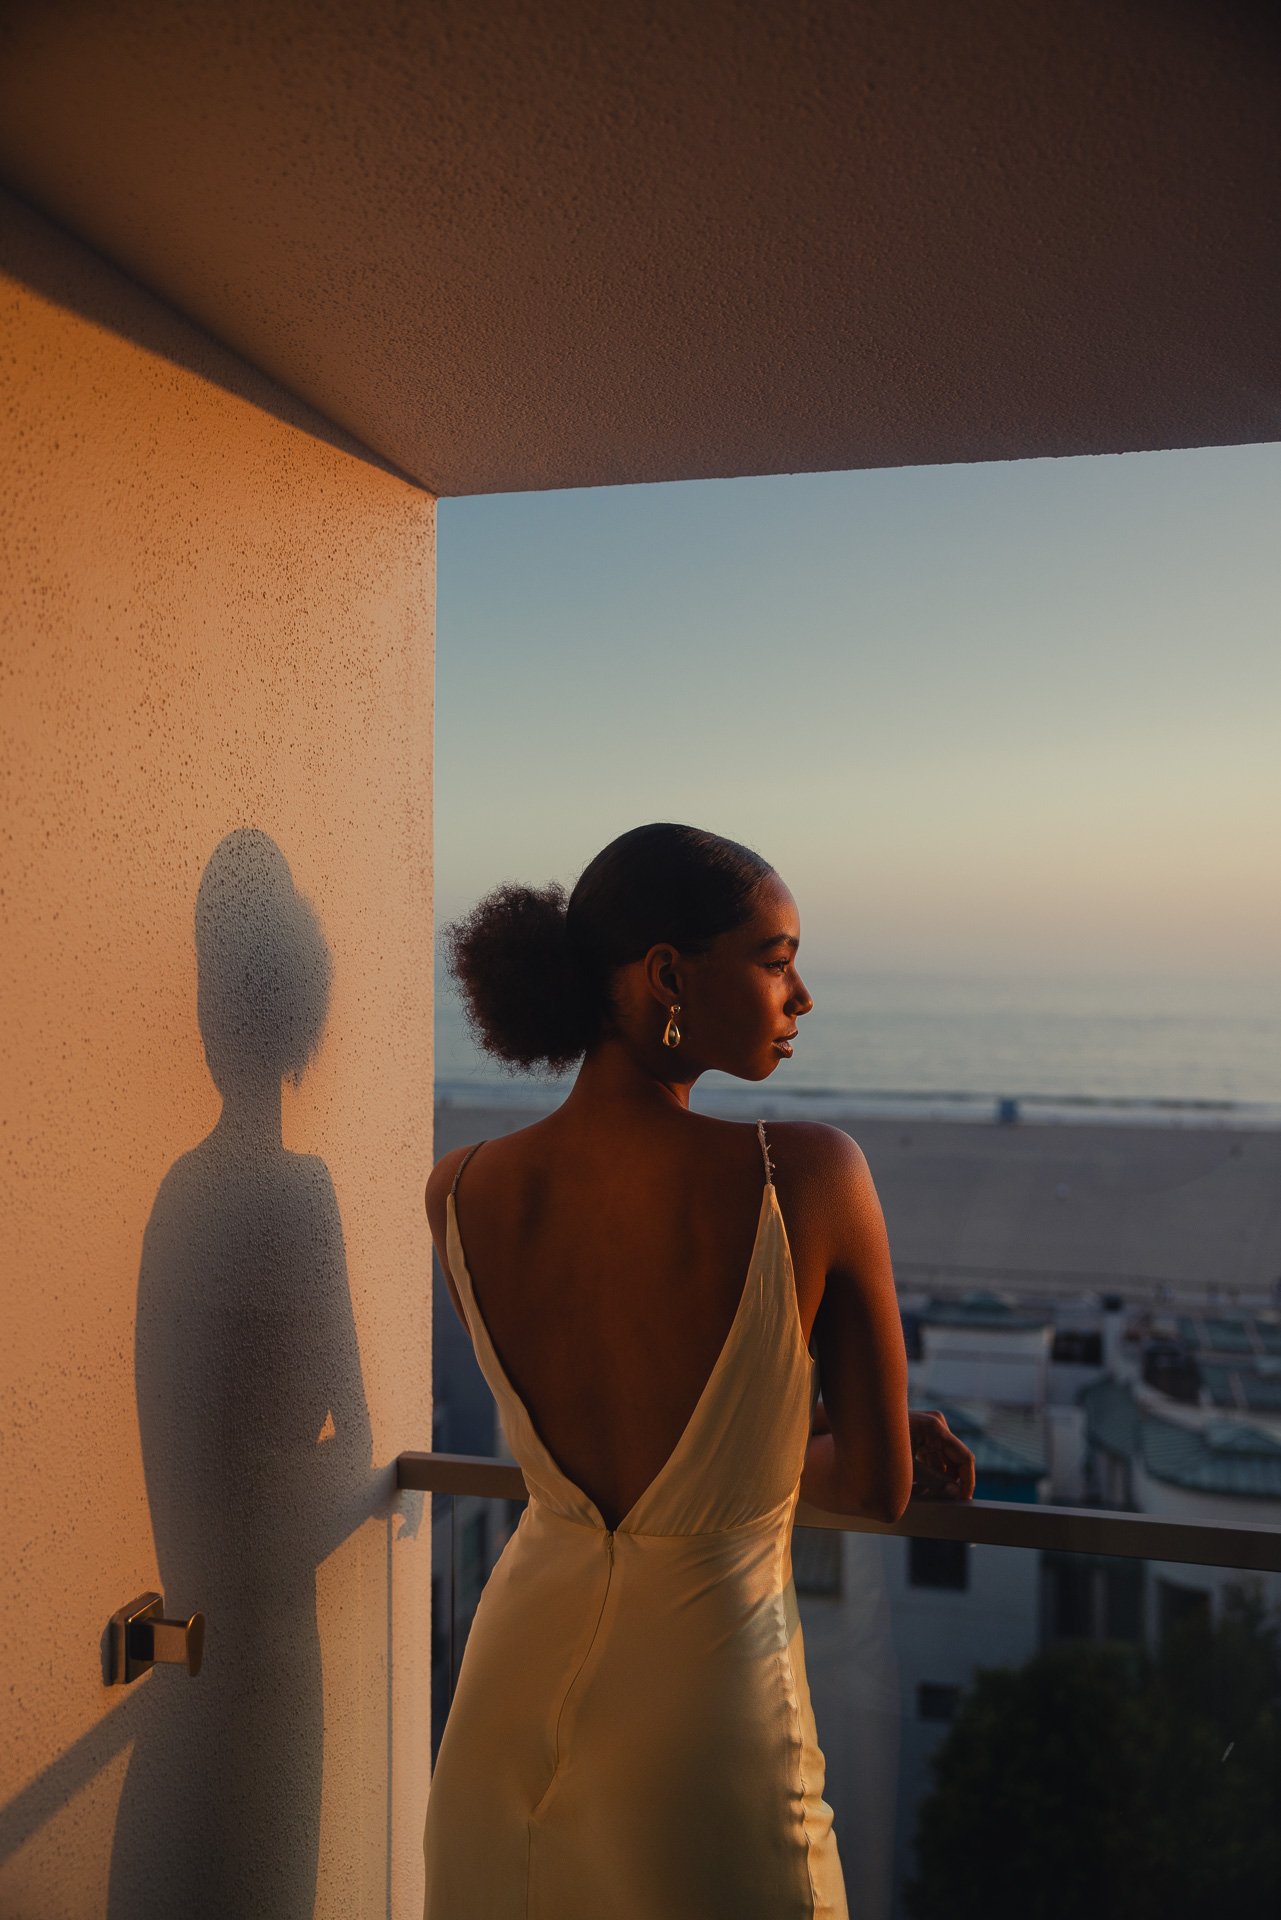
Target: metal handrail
987	1523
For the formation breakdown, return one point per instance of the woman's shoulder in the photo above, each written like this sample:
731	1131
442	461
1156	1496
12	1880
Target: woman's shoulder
441	1177
814	1146
509	1146
820	1169
824	1177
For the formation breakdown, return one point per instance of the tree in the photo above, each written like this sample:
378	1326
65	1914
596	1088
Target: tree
1100	1780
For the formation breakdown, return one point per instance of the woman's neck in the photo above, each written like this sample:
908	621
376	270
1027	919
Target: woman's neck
613	1076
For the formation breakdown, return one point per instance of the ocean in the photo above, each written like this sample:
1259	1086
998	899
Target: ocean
953	1047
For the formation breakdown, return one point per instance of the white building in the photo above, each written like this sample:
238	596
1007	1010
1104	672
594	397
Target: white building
895	1630
1152	1453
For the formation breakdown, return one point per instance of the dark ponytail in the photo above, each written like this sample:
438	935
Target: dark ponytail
512	960
535	969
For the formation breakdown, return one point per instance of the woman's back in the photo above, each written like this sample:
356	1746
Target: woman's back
609	1264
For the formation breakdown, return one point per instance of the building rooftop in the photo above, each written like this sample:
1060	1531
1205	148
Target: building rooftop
1221	1456
994	1312
1231	1333
1246	1389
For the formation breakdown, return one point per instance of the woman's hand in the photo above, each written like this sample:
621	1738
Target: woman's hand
942	1465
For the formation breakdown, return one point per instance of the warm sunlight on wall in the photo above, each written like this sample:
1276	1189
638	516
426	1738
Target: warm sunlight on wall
219	617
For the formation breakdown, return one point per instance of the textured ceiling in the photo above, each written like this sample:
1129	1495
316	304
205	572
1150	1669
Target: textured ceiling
554	244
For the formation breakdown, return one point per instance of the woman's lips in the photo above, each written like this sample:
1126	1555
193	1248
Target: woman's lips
785	1047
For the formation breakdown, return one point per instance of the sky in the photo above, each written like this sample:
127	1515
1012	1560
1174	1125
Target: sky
1022	717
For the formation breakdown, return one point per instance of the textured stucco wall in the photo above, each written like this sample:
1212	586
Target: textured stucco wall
217	617
565	244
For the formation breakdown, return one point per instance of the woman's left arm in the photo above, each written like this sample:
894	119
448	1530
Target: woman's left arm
942	1464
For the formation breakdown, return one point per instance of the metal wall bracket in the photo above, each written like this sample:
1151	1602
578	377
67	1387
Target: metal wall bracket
140	1638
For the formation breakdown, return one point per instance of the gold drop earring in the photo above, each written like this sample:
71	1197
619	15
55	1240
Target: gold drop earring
671	1032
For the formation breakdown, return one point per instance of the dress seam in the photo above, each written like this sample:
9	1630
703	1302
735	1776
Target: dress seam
593	1637
794	1709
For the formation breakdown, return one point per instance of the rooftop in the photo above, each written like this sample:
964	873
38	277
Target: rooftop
1241	1388
1231	1333
1219	1456
992	1312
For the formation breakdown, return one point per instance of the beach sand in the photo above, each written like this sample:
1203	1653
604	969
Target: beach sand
1046	1209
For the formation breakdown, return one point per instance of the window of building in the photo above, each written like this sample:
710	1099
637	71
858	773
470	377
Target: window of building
1071	1598
1172	1370
1091	1598
938	1563
1178	1606
936	1702
1123	1600
1077	1347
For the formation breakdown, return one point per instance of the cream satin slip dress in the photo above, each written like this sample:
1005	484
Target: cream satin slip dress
631	1737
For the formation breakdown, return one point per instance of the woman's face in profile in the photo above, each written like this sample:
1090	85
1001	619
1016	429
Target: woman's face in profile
745	994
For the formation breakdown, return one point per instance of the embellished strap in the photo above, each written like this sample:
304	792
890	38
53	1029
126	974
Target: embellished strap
769	1164
461	1164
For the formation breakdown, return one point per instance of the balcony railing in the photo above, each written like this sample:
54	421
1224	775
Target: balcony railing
1023	1708
989	1523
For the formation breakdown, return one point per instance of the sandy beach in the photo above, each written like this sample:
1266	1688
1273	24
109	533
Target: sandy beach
1187	1213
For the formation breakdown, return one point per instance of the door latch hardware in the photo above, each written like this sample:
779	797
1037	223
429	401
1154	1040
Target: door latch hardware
140	1638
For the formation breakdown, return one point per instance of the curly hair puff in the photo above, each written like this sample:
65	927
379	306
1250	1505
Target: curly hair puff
535	968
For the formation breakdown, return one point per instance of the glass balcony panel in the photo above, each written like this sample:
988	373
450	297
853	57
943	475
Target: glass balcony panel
1010	1731
1014	1732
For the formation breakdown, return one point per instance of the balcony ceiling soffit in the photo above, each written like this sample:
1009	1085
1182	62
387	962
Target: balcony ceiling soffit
512	246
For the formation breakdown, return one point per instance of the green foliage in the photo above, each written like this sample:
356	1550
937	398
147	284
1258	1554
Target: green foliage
1100	1780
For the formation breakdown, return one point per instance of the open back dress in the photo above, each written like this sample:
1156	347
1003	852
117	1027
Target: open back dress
631	1737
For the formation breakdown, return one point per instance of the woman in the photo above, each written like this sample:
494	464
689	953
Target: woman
632	1734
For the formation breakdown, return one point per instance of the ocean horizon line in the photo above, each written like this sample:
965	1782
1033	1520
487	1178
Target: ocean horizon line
1010	1106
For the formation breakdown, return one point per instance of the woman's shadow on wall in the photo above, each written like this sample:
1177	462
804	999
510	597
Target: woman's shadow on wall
255	1434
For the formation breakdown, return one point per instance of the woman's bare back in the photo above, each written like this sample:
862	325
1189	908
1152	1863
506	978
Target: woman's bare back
608	1263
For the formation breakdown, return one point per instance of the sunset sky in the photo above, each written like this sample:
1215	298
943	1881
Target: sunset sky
1017	717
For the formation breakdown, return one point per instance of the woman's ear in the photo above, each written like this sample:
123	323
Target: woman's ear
662	974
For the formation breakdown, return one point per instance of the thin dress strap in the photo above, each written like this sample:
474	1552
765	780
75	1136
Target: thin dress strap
461	1164
769	1164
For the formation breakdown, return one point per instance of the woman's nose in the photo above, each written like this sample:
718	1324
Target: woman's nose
800	999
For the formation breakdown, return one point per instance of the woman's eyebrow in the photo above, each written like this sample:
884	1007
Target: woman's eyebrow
779	940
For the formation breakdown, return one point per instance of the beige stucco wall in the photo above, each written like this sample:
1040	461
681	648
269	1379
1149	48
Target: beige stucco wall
217	615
